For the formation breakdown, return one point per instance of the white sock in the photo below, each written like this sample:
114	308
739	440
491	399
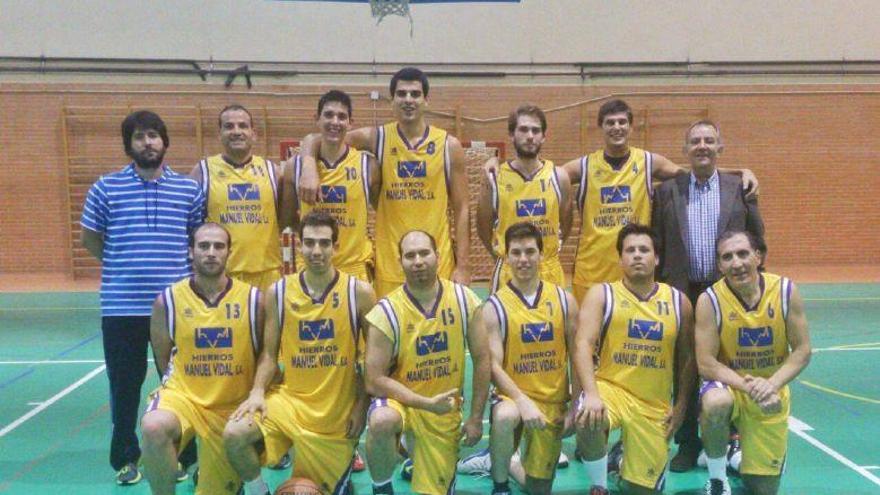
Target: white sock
256	486
598	471
717	467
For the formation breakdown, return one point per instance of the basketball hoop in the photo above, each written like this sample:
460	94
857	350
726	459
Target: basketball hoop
382	8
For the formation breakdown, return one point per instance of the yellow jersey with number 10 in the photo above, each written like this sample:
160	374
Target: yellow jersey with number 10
214	355
637	343
415	195
243	199
754	340
609	198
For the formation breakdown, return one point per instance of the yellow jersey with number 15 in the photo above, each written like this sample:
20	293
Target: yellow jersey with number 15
213	360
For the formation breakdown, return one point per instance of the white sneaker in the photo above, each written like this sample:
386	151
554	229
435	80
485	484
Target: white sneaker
479	463
717	487
562	463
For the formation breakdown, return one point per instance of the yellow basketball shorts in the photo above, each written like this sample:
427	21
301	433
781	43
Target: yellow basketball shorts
435	452
551	271
320	457
541	448
216	475
763	437
643	432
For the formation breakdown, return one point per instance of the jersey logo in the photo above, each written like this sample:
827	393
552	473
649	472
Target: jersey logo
333	194
316	329
243	192
645	329
412	169
615	194
429	344
536	332
430	148
755	337
531	207
213	338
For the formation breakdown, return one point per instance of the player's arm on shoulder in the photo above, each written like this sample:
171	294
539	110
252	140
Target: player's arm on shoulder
708	344
362	138
309	180
196	173
573	170
490	166
288	211
749	180
374	181
461	210
798	340
663	168
486	213
565	204
160	339
93	242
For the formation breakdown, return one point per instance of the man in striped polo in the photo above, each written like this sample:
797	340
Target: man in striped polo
137	222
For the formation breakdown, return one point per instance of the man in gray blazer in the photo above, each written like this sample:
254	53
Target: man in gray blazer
690	212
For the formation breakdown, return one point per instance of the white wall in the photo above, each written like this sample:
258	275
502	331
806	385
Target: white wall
540	31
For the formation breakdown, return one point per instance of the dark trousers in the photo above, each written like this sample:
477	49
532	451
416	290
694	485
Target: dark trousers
125	351
688	436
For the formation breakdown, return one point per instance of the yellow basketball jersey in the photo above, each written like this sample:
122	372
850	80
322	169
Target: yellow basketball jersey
517	198
637	344
754	340
243	199
428	343
214	355
415	195
609	198
535	350
345	195
319	339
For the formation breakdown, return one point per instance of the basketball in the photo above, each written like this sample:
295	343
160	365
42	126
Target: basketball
298	486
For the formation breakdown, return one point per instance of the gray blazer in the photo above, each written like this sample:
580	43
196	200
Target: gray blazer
670	223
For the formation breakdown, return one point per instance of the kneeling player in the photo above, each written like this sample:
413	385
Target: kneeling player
530	324
752	340
314	317
205	332
642	330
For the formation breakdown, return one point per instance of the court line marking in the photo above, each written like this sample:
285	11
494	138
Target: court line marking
800	429
826	299
55	398
838	392
56	356
51	308
58	361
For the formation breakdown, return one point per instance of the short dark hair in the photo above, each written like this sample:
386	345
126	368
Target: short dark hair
526	109
702	122
430	237
337	96
635	229
231	108
409	74
523	230
192	237
319	218
755	242
614	106
144	120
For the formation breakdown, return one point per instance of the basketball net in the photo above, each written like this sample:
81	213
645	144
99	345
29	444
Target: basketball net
382	8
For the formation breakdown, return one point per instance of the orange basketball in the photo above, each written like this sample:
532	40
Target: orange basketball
298	486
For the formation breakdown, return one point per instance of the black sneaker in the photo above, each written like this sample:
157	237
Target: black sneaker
129	475
282	464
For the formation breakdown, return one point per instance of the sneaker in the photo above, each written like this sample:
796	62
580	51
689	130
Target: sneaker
128	475
717	487
562	463
357	464
181	474
615	457
282	464
598	490
479	463
407	469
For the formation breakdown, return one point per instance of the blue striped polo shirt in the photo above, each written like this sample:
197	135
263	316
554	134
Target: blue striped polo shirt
146	227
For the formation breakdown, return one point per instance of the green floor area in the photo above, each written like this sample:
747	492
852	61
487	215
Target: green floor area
55	421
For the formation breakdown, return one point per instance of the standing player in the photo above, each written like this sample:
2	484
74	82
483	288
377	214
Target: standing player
526	189
314	318
345	175
146	211
415	372
205	332
752	340
530	324
422	170
242	193
642	331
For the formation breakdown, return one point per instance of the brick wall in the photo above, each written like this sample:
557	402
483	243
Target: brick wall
811	146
